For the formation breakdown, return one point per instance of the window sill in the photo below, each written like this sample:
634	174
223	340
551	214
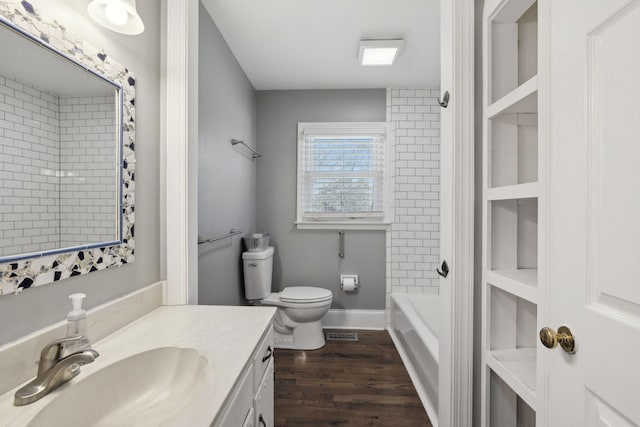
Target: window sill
336	225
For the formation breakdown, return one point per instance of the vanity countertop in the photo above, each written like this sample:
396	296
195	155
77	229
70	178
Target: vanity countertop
226	336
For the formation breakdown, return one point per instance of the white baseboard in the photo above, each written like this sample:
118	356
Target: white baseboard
354	319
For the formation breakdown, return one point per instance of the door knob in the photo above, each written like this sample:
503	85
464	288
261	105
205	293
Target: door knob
564	337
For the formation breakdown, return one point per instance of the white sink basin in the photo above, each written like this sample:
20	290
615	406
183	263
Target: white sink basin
145	389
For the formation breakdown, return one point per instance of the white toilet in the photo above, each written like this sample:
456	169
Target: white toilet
298	322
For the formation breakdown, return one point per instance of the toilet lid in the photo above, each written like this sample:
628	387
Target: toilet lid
305	294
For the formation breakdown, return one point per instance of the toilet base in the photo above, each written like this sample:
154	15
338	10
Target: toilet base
305	336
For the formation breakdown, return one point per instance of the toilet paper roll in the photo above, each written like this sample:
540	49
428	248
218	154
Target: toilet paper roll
348	284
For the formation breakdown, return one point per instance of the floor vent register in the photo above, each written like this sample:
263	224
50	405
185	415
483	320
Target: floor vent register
342	336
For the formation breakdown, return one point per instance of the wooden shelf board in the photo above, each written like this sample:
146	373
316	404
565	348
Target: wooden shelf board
523	99
518	191
522	282
517	368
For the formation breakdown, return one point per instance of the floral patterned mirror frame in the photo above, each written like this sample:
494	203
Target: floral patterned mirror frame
16	276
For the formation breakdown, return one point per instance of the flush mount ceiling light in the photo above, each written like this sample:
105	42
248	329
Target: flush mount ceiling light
379	52
120	16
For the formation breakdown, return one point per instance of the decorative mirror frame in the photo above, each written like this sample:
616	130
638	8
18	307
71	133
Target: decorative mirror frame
16	276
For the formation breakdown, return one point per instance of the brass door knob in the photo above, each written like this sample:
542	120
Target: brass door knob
564	337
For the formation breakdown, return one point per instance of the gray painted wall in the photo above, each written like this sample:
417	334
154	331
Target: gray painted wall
226	175
39	307
310	257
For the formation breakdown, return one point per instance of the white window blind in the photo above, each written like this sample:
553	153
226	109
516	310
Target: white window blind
342	174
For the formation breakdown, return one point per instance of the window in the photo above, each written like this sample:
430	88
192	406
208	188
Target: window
342	175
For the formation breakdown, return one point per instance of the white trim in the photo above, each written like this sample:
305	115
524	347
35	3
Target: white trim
545	96
354	319
484	316
180	133
331	225
456	327
342	128
415	379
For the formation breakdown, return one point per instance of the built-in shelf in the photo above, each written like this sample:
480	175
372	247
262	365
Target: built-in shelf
523	99
521	282
517	368
513	190
512	10
509	192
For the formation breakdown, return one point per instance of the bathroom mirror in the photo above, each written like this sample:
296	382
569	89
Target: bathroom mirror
66	154
59	168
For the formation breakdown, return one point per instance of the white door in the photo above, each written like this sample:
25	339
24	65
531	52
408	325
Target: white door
593	100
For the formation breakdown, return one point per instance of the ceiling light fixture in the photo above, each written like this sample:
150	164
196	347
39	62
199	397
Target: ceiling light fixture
120	16
379	52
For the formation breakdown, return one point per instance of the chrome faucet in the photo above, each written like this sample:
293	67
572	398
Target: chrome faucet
56	367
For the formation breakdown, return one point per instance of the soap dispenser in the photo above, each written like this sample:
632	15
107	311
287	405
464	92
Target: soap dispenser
77	326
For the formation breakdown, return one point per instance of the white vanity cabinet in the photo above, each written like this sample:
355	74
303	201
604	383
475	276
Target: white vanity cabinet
251	401
237	375
263	399
263	381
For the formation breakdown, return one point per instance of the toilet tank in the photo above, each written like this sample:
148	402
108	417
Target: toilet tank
258	267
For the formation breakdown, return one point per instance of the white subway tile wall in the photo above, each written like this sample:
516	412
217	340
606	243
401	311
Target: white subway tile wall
57	169
88	188
413	239
29	161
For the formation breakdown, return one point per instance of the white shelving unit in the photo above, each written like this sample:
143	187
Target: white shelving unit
518	369
522	282
511	195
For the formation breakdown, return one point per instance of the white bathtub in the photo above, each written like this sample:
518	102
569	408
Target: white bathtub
414	329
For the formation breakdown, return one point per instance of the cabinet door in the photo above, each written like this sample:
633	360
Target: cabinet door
263	401
261	358
235	411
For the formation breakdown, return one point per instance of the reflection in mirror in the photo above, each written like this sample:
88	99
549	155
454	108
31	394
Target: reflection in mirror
59	145
67	158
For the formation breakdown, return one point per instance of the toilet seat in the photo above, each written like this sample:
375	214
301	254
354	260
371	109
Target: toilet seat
305	294
310	297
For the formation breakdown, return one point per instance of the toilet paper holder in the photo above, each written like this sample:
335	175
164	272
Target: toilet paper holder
348	276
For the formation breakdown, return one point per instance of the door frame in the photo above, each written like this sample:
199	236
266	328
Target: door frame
179	140
456	328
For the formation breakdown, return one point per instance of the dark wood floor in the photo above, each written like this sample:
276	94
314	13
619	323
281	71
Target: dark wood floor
345	383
